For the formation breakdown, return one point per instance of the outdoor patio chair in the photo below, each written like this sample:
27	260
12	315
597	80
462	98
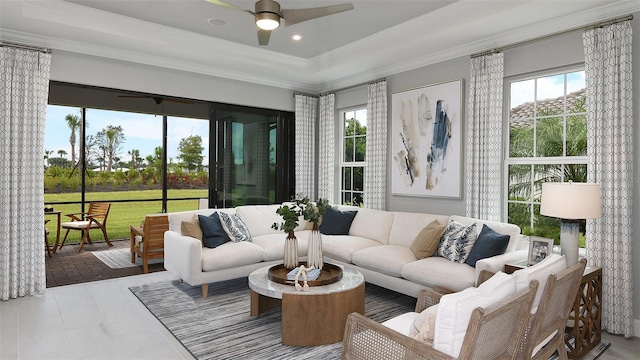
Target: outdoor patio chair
94	218
46	239
492	333
147	241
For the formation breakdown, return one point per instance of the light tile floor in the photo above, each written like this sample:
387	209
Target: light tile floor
104	320
95	320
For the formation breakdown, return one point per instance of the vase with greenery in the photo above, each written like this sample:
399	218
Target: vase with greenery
290	215
312	212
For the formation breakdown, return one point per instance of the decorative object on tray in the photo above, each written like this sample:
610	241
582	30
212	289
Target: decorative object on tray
330	273
313	212
311	273
290	214
302	273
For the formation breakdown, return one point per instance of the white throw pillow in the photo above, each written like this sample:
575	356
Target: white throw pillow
553	264
454	311
424	325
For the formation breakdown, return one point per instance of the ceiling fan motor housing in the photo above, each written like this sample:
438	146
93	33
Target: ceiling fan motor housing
267	9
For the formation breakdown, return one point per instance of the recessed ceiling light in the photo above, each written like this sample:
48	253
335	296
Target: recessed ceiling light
296	37
217	22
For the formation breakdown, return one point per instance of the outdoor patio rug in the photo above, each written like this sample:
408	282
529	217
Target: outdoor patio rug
219	327
120	258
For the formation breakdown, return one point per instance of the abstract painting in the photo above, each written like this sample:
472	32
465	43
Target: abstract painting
426	130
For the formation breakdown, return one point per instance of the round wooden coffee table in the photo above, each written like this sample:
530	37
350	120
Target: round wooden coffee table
309	318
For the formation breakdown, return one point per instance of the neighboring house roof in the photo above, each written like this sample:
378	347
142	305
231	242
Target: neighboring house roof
522	114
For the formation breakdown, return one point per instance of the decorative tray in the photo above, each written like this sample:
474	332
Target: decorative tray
330	274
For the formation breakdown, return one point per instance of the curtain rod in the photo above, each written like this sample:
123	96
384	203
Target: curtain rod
550	36
338	90
26	47
354	86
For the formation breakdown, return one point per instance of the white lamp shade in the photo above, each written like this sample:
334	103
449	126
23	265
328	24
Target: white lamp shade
571	200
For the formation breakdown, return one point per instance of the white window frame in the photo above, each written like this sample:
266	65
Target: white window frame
532	160
348	164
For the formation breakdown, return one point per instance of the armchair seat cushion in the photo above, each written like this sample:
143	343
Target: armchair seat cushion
402	323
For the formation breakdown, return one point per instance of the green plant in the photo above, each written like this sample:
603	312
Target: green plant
290	215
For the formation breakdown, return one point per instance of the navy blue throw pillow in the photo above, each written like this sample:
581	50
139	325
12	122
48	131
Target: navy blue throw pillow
213	235
336	222
488	244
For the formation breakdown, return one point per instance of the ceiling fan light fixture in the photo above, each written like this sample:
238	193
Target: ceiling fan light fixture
267	21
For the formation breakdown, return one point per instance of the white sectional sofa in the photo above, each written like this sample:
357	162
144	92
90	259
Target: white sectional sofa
378	245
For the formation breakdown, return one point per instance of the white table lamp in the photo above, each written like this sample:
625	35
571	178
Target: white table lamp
570	202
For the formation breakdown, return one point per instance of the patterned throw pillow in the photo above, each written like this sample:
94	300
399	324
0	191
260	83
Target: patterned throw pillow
456	241
235	227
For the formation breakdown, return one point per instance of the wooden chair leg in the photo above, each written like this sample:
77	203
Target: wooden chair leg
145	264
85	237
63	240
46	243
205	290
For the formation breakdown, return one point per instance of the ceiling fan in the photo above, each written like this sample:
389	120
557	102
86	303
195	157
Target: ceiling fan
268	15
157	99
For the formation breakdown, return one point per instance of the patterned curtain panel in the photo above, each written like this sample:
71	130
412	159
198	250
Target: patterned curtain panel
610	152
484	137
327	148
375	175
305	130
24	90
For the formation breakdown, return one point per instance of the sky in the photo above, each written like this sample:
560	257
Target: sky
549	87
142	131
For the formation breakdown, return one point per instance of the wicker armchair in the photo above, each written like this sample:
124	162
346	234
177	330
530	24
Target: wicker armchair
493	333
550	319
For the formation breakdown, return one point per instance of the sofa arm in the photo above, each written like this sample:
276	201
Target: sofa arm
496	263
183	256
367	339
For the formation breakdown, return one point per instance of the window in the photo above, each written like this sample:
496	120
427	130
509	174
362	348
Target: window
547	142
352	164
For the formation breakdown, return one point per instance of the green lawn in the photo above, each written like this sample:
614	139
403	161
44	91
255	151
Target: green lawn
121	215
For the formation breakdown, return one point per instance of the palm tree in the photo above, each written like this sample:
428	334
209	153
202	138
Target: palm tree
47	155
62	153
73	121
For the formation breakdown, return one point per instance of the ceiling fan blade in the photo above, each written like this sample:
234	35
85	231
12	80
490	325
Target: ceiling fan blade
263	37
228	6
294	16
180	101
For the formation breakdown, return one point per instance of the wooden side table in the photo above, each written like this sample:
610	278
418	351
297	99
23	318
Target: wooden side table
586	312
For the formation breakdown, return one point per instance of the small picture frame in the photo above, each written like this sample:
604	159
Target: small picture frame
539	249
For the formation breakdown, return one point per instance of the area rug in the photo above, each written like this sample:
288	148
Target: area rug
219	327
120	258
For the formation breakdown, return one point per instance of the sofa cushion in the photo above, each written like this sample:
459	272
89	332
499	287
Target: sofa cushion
489	243
503	228
259	218
406	226
235	227
437	271
426	242
213	235
231	255
456	241
385	259
191	228
337	222
372	224
552	264
454	310
342	247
